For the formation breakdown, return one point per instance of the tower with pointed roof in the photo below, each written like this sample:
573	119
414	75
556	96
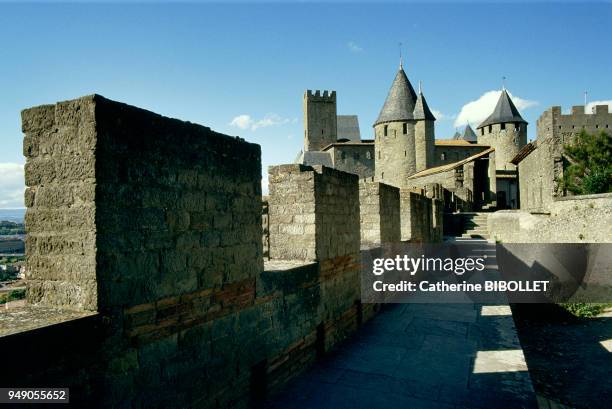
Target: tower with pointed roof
505	130
394	133
424	139
468	135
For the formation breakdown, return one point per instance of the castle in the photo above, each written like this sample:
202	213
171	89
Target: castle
541	162
474	168
146	258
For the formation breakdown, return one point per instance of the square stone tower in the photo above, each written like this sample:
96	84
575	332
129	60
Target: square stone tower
320	120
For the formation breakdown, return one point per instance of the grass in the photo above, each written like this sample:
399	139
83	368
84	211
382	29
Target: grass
585	310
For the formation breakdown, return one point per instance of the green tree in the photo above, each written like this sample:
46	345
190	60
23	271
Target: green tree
590	169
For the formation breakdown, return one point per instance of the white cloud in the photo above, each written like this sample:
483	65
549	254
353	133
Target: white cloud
270	120
442	116
242	121
590	108
354	47
12	185
245	121
474	112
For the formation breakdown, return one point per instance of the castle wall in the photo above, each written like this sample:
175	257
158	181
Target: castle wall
416	216
564	127
394	153
453	181
185	313
314	213
537	185
507	142
357	159
60	175
540	171
320	119
577	219
424	145
379	206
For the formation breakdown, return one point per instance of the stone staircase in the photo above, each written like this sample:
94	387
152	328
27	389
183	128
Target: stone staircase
475	226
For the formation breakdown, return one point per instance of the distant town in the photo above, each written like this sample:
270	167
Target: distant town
12	261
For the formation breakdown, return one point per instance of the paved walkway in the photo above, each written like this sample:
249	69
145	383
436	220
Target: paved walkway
421	356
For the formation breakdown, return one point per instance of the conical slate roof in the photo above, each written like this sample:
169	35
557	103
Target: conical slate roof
504	111
421	109
469	134
457	135
400	101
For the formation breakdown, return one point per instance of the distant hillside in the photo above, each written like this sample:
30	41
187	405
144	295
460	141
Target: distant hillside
11	228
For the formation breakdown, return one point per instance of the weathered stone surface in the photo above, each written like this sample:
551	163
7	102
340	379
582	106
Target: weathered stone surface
131	186
578	219
379	207
156	225
542	169
313	213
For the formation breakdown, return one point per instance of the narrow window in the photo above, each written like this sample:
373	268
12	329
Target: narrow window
404	154
482	131
490	128
443	156
503	126
321	131
386	128
405	128
378	154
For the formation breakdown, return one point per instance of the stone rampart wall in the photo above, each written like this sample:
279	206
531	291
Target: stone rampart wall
380	213
152	229
577	219
145	233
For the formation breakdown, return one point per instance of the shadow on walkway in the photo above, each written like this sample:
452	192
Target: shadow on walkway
420	356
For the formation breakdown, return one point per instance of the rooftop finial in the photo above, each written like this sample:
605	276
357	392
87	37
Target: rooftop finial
400	53
420	87
585	98
504	83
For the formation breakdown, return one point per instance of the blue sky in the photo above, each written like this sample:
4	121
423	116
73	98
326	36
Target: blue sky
211	63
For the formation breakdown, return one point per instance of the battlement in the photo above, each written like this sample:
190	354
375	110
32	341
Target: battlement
580	110
158	260
320	96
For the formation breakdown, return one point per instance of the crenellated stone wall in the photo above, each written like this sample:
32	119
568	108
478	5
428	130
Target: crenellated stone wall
379	206
416	217
145	242
135	207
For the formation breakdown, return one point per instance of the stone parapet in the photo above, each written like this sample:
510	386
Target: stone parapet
379	213
313	213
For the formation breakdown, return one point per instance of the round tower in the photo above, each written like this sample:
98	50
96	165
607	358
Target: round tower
424	139
505	130
394	134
